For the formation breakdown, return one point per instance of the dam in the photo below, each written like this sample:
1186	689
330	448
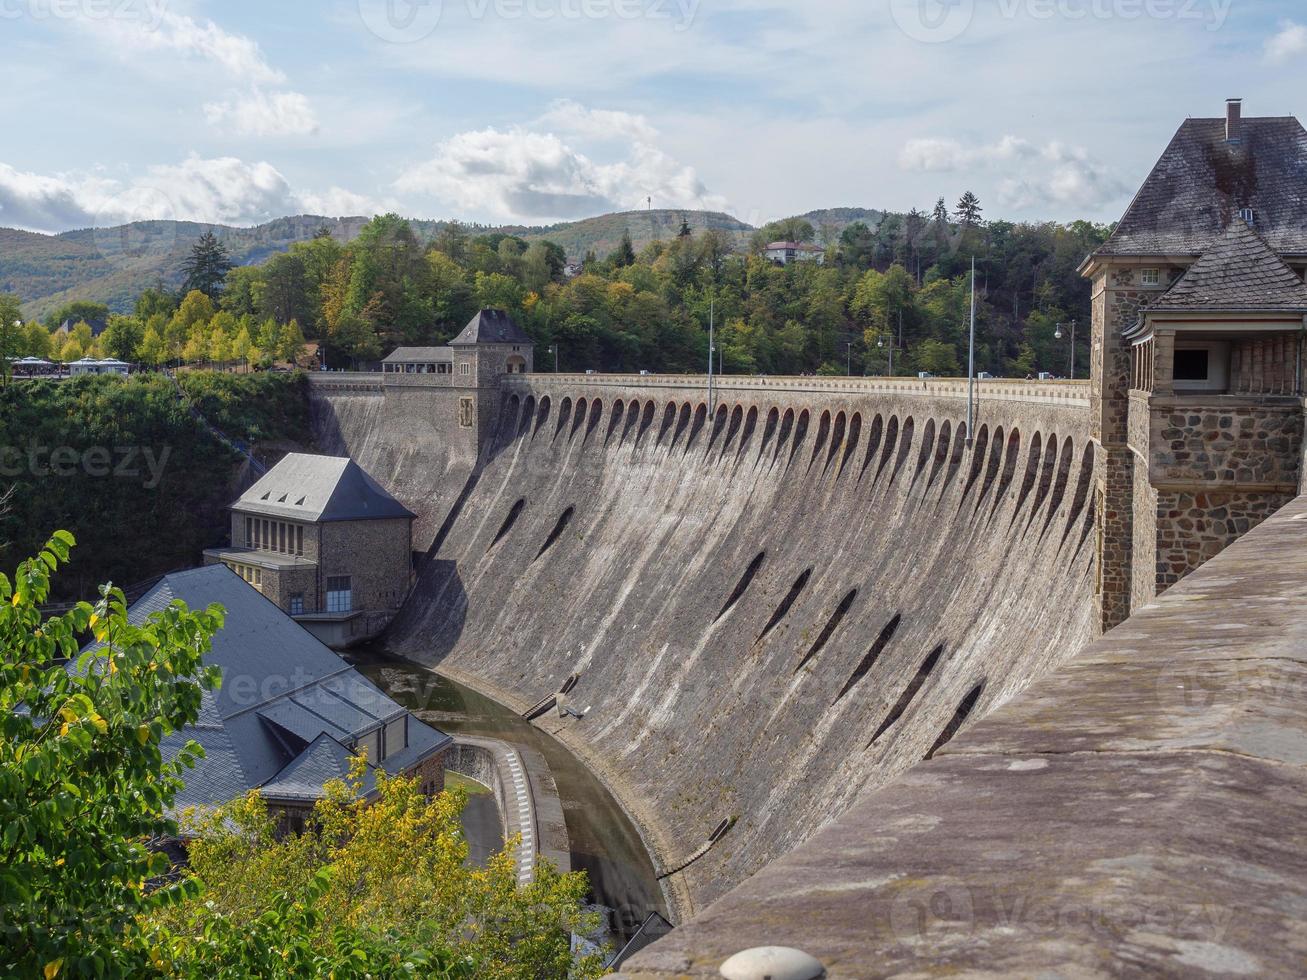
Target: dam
766	611
914	675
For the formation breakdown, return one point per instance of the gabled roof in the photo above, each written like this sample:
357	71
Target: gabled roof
304	776
1240	272
305	487
410	355
1203	181
282	693
491	327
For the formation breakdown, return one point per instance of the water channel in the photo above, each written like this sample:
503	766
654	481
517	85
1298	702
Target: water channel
602	840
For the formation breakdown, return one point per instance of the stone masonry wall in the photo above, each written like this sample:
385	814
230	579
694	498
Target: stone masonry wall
1143	555
1229	440
1195	527
1116	301
375	554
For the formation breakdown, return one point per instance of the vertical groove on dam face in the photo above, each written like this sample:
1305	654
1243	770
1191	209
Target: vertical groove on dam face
682	550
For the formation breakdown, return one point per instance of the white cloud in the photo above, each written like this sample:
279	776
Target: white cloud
222	190
1289	42
522	174
572	118
250	109
264	114
1032	176
949	155
164	30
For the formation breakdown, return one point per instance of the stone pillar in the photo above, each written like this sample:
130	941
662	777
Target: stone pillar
1116	302
1164	362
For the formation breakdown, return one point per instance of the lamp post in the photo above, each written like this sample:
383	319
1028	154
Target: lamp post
849	370
1057	335
553	349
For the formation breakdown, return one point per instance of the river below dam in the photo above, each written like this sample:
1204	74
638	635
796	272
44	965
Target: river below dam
602	840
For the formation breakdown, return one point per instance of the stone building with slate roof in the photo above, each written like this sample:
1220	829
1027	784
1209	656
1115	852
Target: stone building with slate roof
290	714
1199	312
325	543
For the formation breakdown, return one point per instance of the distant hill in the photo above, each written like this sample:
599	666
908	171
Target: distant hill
113	265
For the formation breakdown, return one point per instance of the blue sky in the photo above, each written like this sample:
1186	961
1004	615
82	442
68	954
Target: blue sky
541	110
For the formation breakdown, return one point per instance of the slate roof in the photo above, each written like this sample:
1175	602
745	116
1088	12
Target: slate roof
491	327
283	692
1240	272
304	776
305	487
1202	181
416	355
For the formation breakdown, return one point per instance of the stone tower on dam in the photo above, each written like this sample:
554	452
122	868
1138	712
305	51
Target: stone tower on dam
1198	322
777	604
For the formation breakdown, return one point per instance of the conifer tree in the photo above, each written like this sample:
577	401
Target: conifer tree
206	268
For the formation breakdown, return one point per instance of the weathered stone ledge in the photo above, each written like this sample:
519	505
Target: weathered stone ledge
1137	812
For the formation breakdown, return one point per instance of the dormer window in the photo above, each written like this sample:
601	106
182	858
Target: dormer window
1150	277
1249	217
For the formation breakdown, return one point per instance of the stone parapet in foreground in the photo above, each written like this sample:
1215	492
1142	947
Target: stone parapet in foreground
1137	812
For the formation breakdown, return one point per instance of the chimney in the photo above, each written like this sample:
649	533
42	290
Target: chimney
1233	120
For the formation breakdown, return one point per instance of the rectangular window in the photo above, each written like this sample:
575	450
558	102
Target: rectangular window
266	539
281	535
1191	365
340	594
1151	277
465	368
297	604
396	738
299	539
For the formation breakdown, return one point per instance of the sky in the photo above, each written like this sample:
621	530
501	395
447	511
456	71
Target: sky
536	111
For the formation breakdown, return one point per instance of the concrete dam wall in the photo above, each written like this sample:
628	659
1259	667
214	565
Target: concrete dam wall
769	608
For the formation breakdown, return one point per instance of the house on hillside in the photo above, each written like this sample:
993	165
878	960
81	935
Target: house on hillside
290	714
325	543
783	253
1198	323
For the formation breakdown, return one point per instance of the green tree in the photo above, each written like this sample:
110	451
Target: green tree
154	301
13	335
122	338
284	293
624	254
153	351
242	344
207	266
86	781
968	210
39	341
290	342
393	868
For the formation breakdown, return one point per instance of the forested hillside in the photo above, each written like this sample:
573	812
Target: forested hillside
124	465
112	266
900	288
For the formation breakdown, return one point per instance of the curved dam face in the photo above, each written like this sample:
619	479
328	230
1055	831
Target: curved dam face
767	609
